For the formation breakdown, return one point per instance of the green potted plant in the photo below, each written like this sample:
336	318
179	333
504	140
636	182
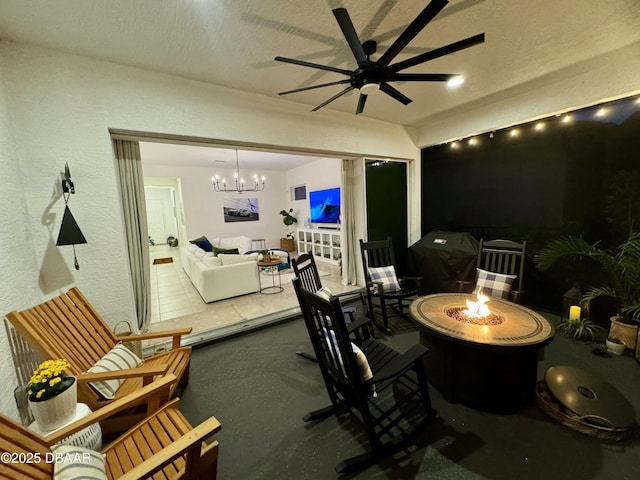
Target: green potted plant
621	284
288	243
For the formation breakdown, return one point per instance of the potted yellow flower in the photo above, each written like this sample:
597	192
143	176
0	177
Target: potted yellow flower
53	395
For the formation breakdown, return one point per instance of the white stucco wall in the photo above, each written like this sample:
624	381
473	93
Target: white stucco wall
58	108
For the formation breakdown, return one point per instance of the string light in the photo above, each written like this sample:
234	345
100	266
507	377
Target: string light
539	126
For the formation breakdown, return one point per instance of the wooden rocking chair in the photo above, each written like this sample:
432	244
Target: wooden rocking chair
68	327
163	445
385	390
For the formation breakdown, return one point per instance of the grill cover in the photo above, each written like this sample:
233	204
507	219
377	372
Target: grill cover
441	258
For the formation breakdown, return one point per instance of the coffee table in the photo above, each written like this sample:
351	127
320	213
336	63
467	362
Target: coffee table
489	367
270	266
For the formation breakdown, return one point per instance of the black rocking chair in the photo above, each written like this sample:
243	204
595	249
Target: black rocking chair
388	394
306	270
377	255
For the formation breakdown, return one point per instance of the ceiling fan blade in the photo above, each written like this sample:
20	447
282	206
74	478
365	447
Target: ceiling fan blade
397	95
361	101
438	52
313	65
421	21
335	97
346	80
349	32
420	77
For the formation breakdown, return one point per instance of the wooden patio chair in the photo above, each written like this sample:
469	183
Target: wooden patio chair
385	390
163	445
68	327
499	270
306	270
383	283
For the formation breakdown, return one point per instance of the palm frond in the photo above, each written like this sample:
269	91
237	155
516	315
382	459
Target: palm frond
567	247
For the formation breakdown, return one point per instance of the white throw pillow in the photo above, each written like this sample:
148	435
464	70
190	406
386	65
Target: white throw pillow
494	284
386	275
325	293
199	253
233	258
119	358
73	462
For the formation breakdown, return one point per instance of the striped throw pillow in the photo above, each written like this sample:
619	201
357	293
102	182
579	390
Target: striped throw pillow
72	463
119	358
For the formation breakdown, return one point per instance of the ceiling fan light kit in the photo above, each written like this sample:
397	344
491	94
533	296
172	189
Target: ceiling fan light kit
370	75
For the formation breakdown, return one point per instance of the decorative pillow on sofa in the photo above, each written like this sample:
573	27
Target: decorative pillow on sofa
233	258
494	284
386	275
203	242
217	251
119	358
73	462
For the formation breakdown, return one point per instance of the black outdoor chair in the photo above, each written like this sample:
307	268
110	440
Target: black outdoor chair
385	390
306	270
380	271
499	270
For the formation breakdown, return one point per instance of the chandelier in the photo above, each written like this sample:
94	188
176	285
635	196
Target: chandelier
220	184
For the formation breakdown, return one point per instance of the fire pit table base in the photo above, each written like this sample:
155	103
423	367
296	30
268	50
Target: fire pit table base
490	367
494	381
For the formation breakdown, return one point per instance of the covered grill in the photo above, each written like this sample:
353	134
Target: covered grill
441	258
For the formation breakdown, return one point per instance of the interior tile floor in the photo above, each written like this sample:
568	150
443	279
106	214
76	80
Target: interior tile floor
175	302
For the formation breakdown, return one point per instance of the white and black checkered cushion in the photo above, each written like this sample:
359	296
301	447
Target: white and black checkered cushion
386	275
494	285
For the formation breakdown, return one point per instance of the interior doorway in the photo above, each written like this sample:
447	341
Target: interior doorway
163	198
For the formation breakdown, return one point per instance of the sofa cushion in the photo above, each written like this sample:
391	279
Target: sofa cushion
72	462
232	259
217	251
199	253
241	242
210	261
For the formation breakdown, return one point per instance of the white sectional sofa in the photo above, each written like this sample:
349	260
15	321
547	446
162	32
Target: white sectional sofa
227	275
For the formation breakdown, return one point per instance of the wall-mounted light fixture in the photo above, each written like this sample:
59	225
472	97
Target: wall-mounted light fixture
70	233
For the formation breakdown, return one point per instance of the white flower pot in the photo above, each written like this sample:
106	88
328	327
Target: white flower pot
55	412
615	348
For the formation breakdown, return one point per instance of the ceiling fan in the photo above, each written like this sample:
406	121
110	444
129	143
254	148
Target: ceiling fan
373	75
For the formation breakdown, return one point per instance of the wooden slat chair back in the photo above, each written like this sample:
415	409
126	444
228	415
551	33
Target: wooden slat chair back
505	257
392	404
163	445
67	326
379	253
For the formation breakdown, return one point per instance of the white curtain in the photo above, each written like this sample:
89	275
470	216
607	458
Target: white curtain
135	219
351	248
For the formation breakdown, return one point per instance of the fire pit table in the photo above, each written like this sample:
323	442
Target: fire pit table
489	365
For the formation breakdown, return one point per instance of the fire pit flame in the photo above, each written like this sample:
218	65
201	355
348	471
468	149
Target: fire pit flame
477	309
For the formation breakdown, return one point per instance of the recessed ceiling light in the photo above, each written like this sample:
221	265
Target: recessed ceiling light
455	81
601	112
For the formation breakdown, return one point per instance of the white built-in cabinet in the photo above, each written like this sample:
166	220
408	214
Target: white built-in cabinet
326	245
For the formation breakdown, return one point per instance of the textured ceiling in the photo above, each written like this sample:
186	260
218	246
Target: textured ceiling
233	42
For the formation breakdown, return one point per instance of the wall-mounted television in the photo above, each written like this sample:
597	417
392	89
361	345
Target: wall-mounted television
324	205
